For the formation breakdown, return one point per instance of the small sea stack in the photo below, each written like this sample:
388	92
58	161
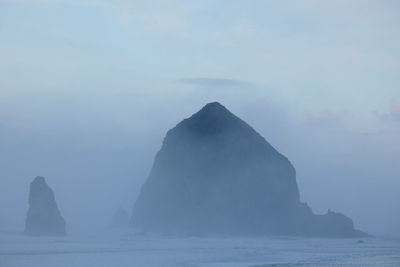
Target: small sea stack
43	217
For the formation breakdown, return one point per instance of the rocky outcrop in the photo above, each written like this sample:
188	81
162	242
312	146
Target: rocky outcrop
44	217
216	175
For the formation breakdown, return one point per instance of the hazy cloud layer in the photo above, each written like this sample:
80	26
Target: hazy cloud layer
392	114
394	109
212	82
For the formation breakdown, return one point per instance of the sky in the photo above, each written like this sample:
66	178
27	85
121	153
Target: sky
88	90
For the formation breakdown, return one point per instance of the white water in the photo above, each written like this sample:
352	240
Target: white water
122	249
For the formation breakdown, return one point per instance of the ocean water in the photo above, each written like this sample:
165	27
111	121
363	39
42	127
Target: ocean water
125	249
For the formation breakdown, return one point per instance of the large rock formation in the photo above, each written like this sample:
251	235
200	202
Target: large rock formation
216	175
43	216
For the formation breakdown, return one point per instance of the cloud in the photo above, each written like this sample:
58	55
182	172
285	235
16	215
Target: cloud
212	82
395	109
325	119
393	113
31	1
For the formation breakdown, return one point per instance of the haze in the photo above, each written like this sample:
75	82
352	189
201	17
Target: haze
88	90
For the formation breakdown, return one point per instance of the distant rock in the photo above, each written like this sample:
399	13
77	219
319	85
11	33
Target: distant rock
44	217
120	219
215	175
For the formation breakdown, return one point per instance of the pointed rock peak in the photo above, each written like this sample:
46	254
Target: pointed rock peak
214	106
213	115
213	119
39	180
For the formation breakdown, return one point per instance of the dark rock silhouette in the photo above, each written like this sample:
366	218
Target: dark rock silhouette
216	175
120	219
43	216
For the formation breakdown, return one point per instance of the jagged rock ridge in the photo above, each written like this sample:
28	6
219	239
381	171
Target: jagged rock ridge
216	175
44	217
